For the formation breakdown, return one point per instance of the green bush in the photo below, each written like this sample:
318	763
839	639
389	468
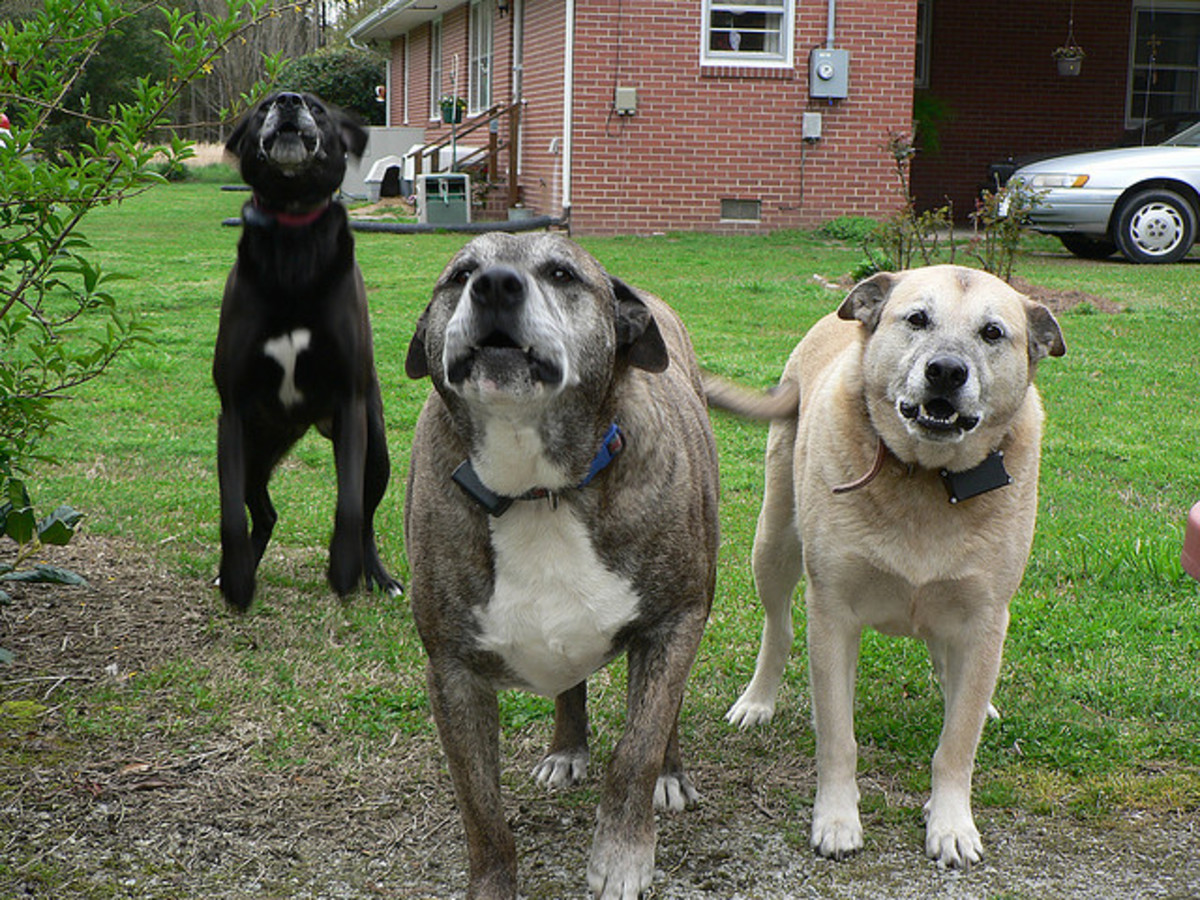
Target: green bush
60	326
851	229
347	77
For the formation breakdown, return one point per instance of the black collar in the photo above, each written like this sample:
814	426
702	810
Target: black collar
496	505
987	476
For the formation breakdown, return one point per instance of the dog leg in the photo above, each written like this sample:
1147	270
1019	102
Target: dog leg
238	560
833	662
566	761
622	861
375	481
350	451
968	666
777	565
468	721
259	465
674	792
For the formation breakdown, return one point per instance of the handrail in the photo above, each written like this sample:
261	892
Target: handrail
494	146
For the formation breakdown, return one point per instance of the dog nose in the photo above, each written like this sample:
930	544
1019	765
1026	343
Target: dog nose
289	98
498	288
946	373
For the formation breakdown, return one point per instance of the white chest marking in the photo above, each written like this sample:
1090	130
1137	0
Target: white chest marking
555	608
284	350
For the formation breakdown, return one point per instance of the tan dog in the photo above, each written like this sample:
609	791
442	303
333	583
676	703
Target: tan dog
909	478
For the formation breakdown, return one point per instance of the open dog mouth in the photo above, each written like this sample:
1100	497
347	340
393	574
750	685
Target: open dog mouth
289	144
938	415
499	358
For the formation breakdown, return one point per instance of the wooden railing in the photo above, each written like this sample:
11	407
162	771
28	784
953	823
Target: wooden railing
490	153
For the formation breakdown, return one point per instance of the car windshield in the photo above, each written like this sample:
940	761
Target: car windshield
1189	137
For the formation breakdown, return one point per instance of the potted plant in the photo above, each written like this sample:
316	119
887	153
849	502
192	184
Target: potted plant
1069	58
452	108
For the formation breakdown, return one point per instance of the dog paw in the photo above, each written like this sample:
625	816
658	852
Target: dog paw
618	871
562	770
379	580
749	711
837	836
674	793
236	582
951	838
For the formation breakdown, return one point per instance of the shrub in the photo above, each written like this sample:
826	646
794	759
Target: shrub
59	325
346	77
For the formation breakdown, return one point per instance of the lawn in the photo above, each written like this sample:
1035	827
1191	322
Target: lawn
1100	688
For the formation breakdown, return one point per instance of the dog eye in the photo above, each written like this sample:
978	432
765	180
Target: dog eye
918	319
461	276
991	332
561	275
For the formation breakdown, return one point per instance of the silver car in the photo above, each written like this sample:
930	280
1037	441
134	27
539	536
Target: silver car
1143	201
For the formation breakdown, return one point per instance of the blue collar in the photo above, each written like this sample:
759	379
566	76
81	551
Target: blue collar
467	479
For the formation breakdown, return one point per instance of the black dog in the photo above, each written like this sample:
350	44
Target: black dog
294	345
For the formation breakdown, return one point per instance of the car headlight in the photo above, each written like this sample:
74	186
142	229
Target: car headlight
1051	180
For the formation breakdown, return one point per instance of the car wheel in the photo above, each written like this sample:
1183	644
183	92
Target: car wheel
1155	226
1088	247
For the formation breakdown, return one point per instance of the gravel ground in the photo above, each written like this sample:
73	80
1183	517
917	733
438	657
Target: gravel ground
170	815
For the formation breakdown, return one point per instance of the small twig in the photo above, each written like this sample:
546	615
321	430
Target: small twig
57	678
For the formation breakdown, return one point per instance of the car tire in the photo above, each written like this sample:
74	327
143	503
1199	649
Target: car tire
1086	247
1155	226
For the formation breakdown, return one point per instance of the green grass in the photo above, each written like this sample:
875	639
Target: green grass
1100	688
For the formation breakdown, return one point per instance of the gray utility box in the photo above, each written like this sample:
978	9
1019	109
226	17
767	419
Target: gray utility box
829	74
444	198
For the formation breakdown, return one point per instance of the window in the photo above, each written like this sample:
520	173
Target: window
480	73
921	63
748	34
435	69
741	210
1164	75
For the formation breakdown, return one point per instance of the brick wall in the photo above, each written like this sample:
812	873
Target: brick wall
701	134
704	134
992	64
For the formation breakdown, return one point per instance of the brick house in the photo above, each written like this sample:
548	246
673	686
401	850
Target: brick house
989	63
642	117
638	117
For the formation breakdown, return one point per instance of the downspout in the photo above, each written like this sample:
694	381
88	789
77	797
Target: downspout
568	106
830	22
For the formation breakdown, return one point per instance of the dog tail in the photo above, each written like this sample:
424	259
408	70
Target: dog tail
780	402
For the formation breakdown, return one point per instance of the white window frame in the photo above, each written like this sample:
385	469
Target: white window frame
785	10
1134	110
436	69
481	56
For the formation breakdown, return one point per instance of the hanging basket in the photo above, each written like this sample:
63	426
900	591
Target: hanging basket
1069	65
451	116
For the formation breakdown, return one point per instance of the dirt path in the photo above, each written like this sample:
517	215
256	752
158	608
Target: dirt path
171	814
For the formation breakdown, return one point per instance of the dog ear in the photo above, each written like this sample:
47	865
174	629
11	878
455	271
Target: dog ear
638	337
234	144
416	364
865	301
354	135
1045	335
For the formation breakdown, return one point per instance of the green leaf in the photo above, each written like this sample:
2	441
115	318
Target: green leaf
45	575
7	657
20	525
58	528
17	495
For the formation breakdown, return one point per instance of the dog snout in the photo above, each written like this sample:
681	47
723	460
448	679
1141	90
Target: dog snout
946	374
499	289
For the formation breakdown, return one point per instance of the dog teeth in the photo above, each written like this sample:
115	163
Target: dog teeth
941	416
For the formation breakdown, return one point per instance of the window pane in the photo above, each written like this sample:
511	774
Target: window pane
739	30
1166	63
